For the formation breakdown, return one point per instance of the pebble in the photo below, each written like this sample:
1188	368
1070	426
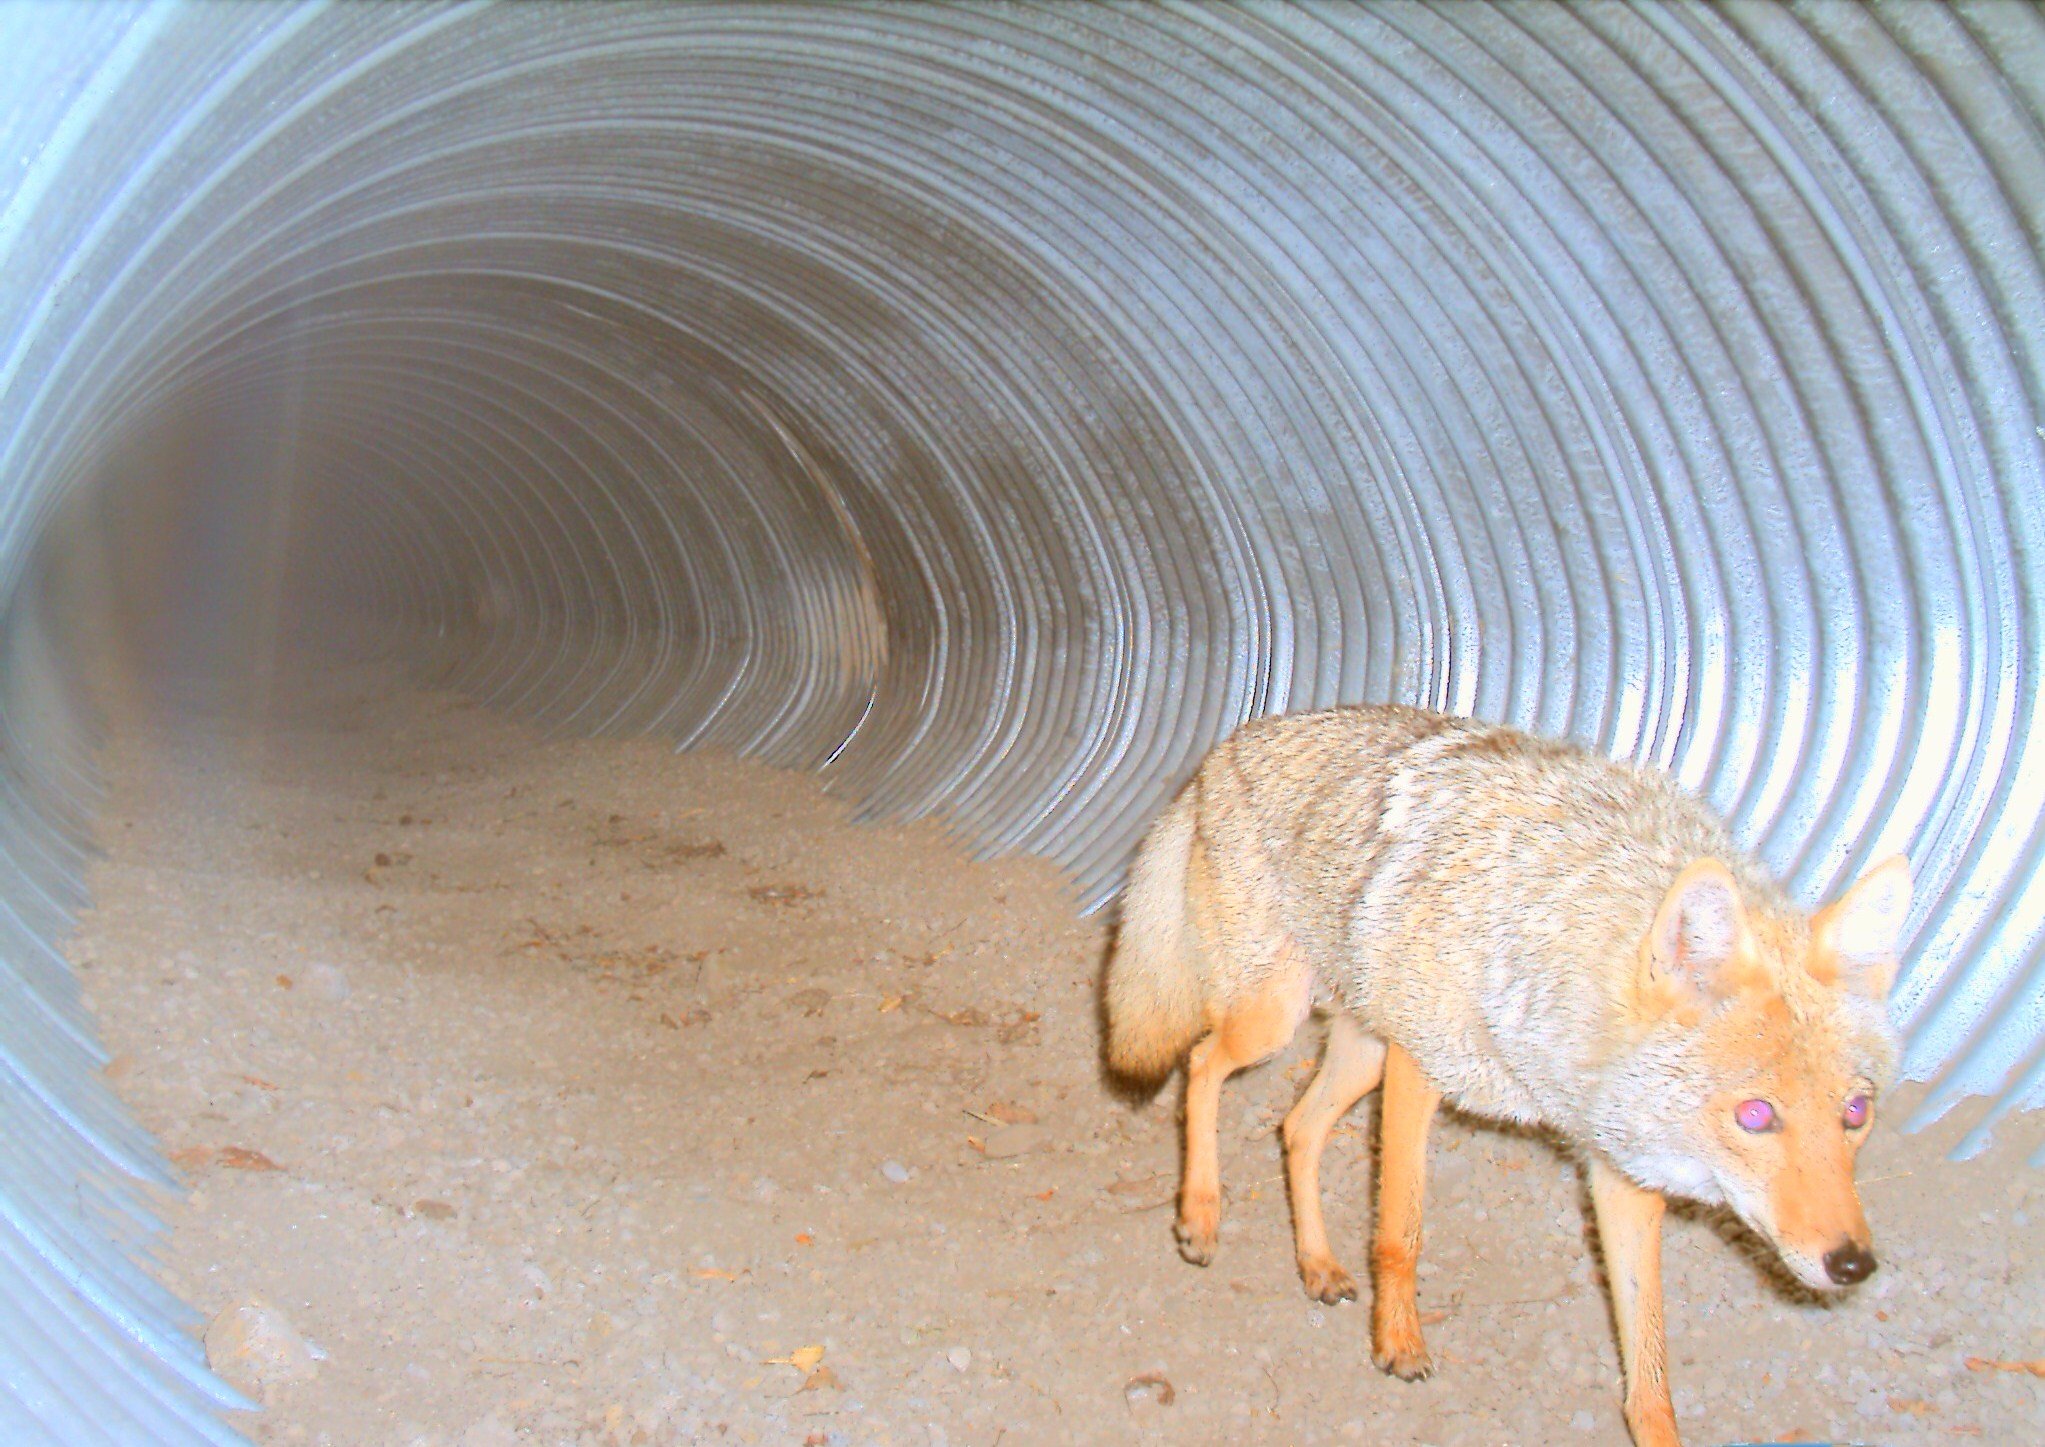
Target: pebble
896	1171
959	1358
255	1347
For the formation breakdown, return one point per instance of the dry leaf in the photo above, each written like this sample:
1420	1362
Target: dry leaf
1430	1318
802	1238
192	1158
285	981
977	1144
241	1158
1009	1113
803	1359
711	1273
433	1210
1047	1195
892	1002
1133	1188
258	1082
1915	1406
820	1379
1990	1364
1018	1028
811	1002
118	1068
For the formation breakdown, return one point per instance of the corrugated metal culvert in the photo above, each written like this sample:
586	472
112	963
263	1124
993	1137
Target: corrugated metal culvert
991	406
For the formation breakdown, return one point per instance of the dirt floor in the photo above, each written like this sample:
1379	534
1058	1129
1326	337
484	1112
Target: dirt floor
569	1091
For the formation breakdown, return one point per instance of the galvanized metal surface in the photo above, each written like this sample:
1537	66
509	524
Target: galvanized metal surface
992	406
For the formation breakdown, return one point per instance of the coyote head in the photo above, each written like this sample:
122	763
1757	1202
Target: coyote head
1760	1041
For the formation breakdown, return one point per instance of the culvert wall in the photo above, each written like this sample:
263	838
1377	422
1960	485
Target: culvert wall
991	406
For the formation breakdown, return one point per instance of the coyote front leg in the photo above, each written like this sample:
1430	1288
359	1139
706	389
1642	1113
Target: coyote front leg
1405	1113
1630	1228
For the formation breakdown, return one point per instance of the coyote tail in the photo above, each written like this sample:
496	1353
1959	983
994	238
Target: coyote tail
1154	996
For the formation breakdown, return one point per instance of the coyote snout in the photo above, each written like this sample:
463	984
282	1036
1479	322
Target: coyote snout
1806	1205
1534	934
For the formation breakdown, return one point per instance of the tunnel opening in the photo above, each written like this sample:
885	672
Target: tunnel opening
982	411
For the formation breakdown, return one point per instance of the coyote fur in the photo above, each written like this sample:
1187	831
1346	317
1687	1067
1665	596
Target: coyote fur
1535	934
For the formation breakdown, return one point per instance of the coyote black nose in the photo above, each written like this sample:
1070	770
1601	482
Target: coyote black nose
1850	1263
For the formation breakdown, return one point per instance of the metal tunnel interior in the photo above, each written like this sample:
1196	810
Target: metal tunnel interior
989	407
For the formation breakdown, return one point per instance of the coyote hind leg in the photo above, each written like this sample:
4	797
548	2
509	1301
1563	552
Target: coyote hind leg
1351	1067
1251	1030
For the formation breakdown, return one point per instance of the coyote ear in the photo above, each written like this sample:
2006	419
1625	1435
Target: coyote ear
1854	938
1697	931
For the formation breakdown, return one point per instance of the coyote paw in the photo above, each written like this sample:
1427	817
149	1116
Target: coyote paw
1197	1231
1407	1363
1396	1344
1326	1280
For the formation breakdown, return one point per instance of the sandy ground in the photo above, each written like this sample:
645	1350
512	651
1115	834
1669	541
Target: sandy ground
582	1092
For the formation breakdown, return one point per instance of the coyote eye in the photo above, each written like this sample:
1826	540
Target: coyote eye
1754	1115
1855	1114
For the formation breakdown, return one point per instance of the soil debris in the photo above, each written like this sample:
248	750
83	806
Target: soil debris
568	1153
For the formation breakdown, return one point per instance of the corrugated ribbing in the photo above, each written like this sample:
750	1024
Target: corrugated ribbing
992	406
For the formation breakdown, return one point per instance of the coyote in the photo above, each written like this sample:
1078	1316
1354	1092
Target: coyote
1535	934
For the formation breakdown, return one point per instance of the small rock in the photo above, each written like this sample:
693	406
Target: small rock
1015	1140
896	1171
255	1347
1583	1424
959	1358
1149	1390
